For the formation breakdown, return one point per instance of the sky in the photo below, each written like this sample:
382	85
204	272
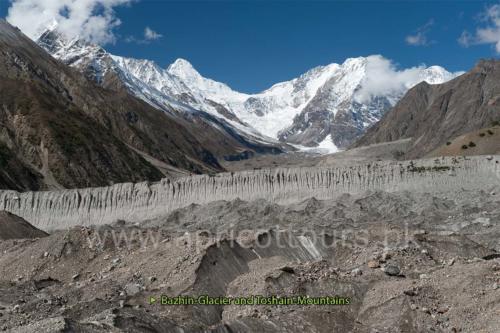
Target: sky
251	45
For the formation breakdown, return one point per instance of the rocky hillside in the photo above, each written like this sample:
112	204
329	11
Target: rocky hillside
15	227
58	129
434	115
485	141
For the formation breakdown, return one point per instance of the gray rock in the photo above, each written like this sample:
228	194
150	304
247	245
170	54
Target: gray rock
133	289
392	270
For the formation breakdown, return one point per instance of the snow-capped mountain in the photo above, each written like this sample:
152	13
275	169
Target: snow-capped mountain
104	68
328	106
157	87
353	98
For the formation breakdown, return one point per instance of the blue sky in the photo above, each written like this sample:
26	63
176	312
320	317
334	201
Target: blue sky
252	45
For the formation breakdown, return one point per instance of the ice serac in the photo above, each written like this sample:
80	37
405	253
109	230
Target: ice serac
141	201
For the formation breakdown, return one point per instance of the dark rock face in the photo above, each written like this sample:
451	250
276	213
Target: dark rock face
347	124
434	114
306	128
255	105
16	175
222	110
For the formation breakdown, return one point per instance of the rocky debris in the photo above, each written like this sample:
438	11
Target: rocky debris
411	292
84	279
15	227
132	289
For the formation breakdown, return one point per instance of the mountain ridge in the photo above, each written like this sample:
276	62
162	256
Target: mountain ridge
61	130
434	115
324	102
228	137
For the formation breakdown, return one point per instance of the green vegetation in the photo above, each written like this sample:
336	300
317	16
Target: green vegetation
495	123
464	147
482	134
490	132
448	143
472	144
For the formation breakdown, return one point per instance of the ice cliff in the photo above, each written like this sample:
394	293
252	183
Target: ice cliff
51	210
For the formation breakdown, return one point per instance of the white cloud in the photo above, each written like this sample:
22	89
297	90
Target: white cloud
383	78
420	36
416	40
150	34
465	39
490	34
92	20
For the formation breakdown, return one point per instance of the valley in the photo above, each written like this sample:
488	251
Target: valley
123	183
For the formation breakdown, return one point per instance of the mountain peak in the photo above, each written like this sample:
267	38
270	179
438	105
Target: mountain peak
49	29
65	48
51	40
183	69
358	61
180	62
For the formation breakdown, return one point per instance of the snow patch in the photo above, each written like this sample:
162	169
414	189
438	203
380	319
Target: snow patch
324	147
